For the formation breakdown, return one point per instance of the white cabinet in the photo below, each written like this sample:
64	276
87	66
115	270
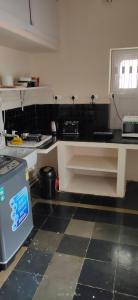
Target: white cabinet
45	18
16	30
16	11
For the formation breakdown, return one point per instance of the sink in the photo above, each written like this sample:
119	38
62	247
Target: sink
28	154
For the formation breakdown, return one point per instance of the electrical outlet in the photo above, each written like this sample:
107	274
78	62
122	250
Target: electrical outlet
57	97
92	97
74	98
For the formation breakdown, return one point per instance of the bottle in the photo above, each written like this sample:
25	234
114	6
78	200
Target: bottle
53	128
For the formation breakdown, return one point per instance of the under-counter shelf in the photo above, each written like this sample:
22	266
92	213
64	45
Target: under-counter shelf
93	163
94	185
92	168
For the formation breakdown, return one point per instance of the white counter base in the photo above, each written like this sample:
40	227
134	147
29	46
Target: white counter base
93	168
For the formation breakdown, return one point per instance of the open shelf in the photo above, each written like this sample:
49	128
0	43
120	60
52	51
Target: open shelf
91	184
93	168
23	88
93	163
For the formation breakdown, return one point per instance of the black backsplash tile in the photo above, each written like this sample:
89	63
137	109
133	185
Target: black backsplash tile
37	118
22	121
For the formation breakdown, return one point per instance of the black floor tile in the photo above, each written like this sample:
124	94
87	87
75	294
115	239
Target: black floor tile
56	224
89	293
127	279
42	209
63	211
128	256
73	245
102	201
129	236
85	214
30	237
97	274
106	232
103	250
38	220
108	217
20	286
98	216
34	261
127	271
130	220
124	297
68	197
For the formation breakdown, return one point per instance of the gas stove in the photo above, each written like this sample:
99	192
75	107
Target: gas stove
32	140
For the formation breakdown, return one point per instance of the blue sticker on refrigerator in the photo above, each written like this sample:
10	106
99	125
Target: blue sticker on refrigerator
2	194
19	204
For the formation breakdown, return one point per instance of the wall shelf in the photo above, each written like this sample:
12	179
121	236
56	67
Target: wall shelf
23	88
93	163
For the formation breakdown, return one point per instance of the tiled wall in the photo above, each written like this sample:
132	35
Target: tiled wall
37	118
22	121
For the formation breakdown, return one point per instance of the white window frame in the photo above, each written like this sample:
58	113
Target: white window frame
120	91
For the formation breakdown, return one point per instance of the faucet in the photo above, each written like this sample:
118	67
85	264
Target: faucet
9	136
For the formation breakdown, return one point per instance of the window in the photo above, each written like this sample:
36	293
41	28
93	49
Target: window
124	71
128	74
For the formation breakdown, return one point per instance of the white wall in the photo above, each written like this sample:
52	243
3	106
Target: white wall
18	63
88	29
15	63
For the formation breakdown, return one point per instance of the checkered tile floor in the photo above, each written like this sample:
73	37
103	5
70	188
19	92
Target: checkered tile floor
76	253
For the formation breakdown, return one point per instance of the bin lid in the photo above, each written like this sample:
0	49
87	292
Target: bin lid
48	171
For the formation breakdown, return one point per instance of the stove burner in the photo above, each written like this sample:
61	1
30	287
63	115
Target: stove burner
32	137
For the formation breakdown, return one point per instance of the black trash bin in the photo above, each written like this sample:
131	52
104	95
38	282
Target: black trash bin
47	177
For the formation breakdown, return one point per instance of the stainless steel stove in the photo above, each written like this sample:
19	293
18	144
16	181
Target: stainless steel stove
32	140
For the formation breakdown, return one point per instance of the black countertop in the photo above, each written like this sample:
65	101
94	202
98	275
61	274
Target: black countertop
116	139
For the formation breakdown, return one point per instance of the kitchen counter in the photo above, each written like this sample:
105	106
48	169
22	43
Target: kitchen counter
116	139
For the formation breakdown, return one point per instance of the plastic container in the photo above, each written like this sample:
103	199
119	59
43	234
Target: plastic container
47	177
